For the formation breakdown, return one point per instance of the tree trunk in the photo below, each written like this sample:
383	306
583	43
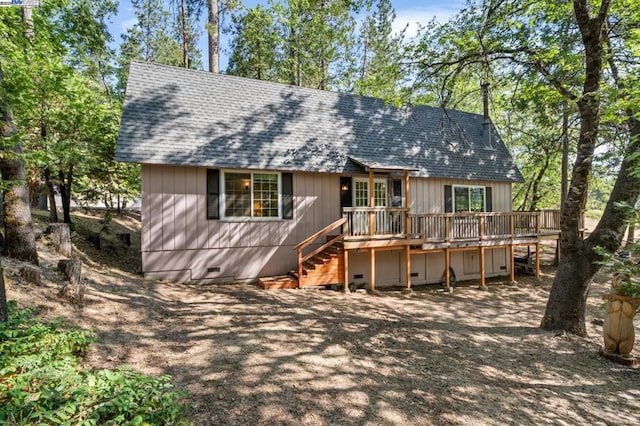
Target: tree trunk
567	301
66	180
631	236
20	242
185	34
565	152
4	309
51	194
536	196
214	36
61	237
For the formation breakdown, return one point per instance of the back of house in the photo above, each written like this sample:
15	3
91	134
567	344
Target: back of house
237	173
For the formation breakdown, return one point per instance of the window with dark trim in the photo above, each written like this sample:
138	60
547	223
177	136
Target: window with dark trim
467	199
243	194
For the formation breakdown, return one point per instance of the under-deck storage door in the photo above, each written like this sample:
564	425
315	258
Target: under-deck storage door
388	266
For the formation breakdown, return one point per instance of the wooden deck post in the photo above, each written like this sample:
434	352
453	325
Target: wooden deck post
372	218
512	264
483	284
447	230
408	229
299	268
447	266
512	226
372	269
537	260
345	253
407	253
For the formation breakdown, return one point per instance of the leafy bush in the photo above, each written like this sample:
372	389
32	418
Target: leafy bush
43	382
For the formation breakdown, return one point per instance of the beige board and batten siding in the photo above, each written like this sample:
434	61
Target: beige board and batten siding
180	244
427	194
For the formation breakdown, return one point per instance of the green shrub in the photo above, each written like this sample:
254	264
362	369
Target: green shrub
43	382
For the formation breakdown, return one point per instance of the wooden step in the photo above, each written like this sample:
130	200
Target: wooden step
278	282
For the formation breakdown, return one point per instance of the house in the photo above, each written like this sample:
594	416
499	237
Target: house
245	179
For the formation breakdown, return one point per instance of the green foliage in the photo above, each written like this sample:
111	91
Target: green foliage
255	44
628	266
58	85
626	263
380	67
43	382
306	43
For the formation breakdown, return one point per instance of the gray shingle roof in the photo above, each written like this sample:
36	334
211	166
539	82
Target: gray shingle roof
184	117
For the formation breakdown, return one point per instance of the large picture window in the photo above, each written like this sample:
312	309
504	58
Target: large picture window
469	199
251	194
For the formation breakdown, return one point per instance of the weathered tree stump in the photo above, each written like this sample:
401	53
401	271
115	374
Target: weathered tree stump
74	288
61	237
31	274
125	237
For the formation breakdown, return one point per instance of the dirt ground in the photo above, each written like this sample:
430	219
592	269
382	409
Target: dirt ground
248	356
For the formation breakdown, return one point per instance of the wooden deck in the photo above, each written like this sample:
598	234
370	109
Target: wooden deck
380	229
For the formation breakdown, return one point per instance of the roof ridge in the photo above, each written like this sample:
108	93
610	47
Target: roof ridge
208	74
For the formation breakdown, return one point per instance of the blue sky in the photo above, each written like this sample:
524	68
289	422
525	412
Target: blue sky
409	12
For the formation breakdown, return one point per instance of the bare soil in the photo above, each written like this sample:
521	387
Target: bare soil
248	356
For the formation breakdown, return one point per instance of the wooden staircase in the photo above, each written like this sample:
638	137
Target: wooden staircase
322	266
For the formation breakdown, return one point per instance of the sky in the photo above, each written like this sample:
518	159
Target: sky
409	12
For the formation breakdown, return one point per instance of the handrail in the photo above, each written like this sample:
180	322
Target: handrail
320	233
375	209
322	247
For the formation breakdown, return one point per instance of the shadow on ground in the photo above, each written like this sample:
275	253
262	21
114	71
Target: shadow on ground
248	356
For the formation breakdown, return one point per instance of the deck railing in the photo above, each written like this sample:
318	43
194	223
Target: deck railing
375	222
381	222
474	226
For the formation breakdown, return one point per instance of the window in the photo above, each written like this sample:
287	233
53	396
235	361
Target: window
265	195
468	199
361	192
380	193
251	194
237	194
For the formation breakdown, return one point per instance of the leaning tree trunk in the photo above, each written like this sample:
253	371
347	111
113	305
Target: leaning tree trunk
568	298
567	301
